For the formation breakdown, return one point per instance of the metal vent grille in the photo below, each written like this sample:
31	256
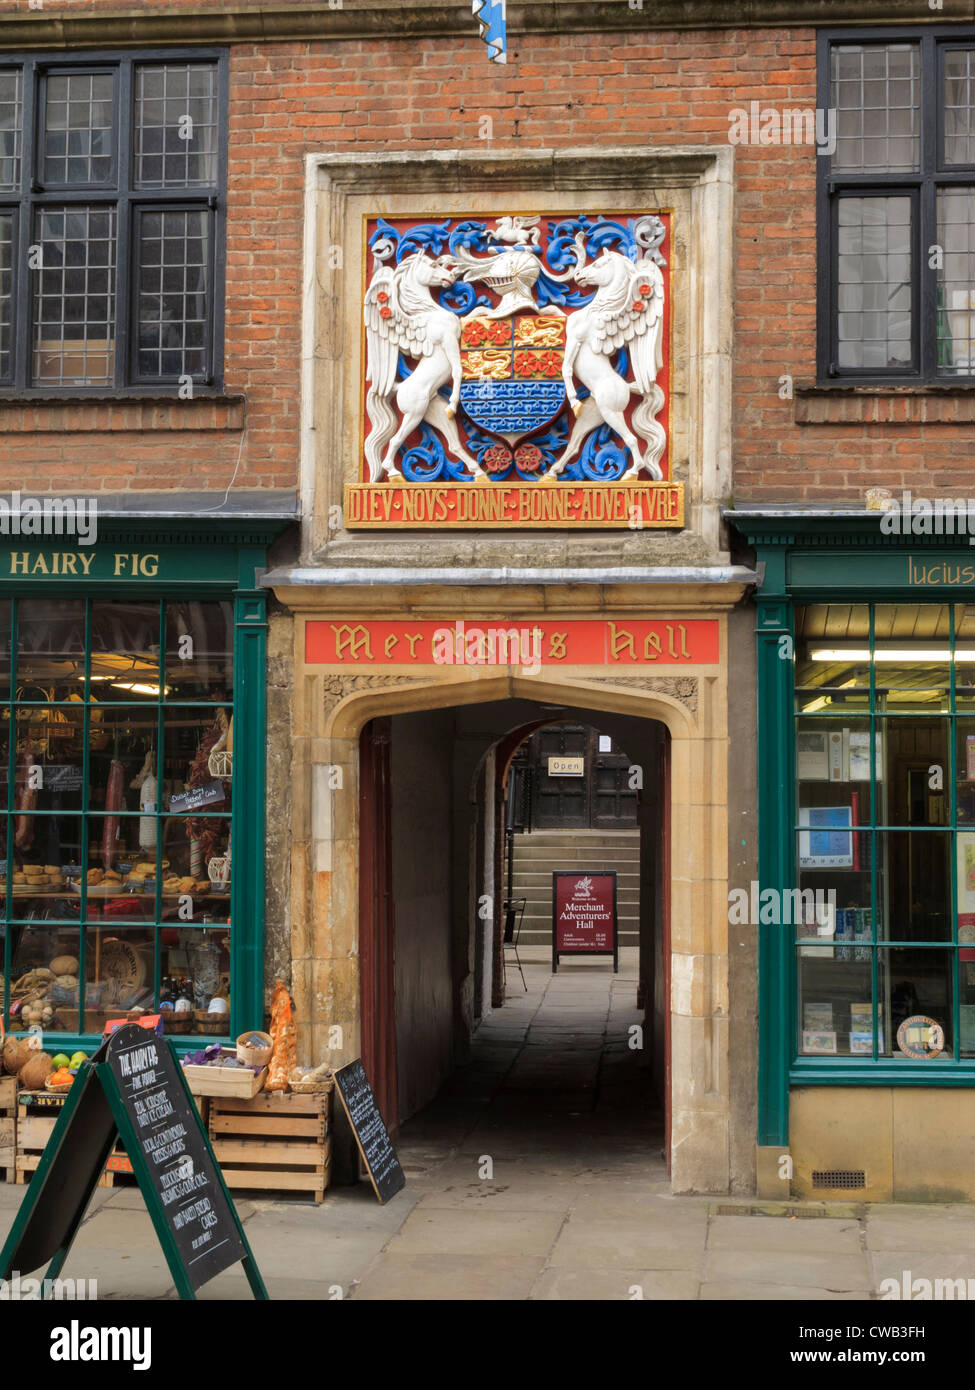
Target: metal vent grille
839	1177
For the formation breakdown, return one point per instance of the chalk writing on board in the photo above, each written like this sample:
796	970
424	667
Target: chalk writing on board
172	1143
371	1135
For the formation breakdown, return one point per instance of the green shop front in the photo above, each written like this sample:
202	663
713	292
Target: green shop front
132	724
866	894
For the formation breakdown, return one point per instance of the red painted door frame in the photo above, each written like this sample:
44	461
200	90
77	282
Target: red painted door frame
376	920
664	793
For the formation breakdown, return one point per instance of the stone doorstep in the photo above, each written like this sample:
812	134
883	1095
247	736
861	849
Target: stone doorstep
844	1211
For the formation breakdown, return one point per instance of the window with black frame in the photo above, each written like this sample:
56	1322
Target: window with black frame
112	174
897	208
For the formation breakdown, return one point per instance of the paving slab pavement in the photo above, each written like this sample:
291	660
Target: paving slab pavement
575	1205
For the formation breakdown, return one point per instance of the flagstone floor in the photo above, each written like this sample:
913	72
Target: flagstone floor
537	1173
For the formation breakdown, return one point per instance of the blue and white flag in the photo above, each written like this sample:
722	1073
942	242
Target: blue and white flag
490	15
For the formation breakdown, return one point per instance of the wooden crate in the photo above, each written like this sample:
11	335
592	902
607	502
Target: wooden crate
38	1114
239	1083
274	1142
8	1128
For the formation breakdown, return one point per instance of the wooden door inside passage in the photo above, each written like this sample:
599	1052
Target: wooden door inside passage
562	802
376	921
597	796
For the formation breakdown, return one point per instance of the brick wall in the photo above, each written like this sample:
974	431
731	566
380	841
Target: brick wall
287	99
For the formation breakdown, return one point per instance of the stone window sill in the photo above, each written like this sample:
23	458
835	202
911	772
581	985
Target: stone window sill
109	413
949	404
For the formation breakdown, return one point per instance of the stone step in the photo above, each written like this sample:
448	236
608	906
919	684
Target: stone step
524	873
579	837
548	863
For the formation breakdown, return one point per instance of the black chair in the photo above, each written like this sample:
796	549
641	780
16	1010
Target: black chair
514	913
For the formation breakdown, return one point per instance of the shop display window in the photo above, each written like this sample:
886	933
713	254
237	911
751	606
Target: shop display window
885	832
116	778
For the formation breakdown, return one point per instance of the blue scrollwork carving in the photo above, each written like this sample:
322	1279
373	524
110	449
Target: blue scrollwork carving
428	236
472	235
603	459
427	462
460	298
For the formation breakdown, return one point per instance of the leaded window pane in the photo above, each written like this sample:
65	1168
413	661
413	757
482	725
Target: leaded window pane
874	270
11	121
175	125
173	293
74	296
959	106
956	281
6	293
875	90
79	123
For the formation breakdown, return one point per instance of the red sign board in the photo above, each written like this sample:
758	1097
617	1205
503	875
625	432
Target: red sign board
495	642
582	506
583	915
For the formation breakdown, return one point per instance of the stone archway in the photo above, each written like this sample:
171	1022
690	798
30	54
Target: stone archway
324	899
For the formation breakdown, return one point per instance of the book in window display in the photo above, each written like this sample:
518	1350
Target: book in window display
966	1028
965	859
817	1018
812	763
859	755
825	838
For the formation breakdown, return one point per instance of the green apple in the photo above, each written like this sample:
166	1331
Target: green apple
60	1060
77	1059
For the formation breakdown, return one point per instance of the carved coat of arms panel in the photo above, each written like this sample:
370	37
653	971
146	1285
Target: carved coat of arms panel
516	373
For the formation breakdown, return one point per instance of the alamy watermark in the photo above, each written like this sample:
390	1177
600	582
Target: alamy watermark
920	516
20	1290
49	516
755	124
786	907
490	646
926	1290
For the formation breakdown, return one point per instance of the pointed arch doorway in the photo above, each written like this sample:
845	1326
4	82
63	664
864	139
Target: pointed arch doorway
433	878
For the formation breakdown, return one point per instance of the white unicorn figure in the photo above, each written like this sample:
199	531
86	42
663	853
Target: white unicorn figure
401	315
627	309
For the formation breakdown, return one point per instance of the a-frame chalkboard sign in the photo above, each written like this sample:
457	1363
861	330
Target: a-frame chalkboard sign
133	1087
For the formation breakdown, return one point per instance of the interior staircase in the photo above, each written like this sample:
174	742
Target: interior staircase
538	854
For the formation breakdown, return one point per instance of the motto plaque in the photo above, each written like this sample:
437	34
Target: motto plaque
516	373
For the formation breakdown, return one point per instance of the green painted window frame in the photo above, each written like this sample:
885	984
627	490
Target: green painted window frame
819	559
229	573
800	1063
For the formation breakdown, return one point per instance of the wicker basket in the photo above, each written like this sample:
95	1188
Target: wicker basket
61	1090
255	1056
221	764
319	1087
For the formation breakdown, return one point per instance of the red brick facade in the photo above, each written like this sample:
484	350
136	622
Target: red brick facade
422	93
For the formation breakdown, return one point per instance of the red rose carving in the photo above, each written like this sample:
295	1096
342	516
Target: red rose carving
497	458
528	457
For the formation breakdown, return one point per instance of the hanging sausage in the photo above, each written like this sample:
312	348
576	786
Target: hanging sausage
114	801
26	799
